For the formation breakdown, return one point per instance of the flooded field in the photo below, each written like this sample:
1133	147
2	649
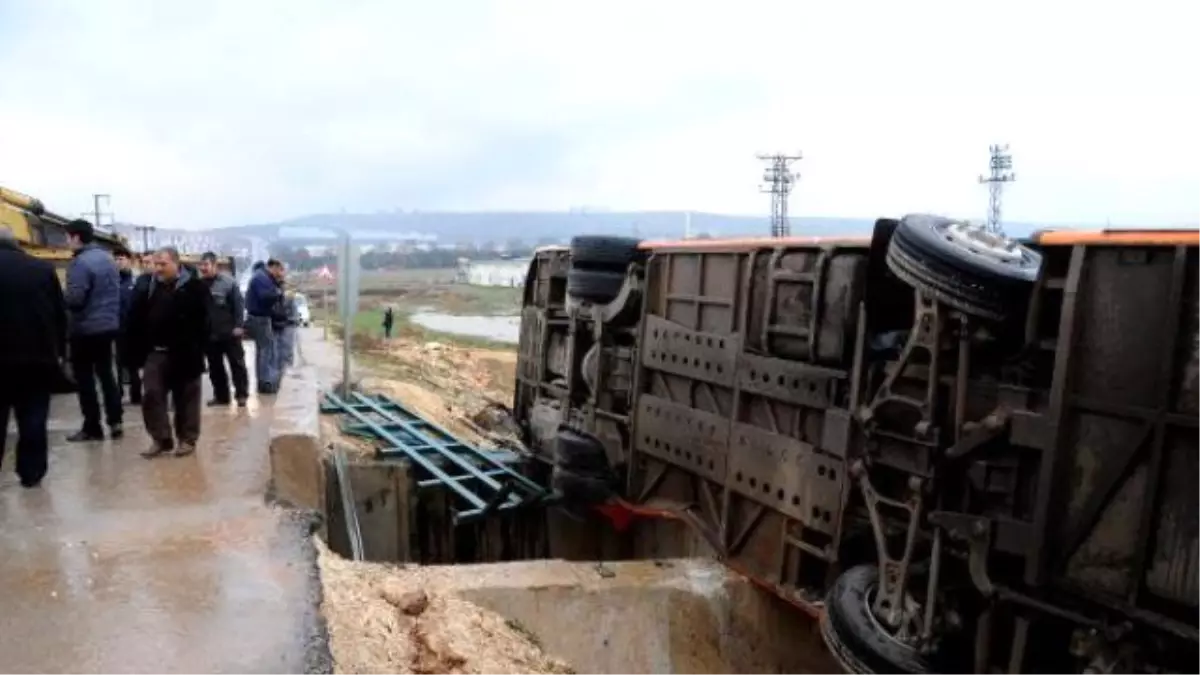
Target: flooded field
498	328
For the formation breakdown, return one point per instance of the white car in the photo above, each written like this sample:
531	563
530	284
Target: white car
302	310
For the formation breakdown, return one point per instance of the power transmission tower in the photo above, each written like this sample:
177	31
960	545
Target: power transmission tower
145	230
779	181
97	213
1000	172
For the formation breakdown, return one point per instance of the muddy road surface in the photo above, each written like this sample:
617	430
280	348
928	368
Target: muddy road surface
123	564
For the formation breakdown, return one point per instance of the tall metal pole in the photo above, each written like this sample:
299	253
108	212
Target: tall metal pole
347	315
347	302
779	181
999	173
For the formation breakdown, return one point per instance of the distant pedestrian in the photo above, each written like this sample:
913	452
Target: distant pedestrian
127	375
168	334
226	321
93	297
263	304
33	342
389	318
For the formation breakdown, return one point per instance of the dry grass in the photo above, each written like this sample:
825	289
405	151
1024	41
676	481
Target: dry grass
384	619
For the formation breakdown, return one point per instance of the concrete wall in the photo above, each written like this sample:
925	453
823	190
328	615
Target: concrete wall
665	616
297	478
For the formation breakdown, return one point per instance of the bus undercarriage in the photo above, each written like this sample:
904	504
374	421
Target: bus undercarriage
963	453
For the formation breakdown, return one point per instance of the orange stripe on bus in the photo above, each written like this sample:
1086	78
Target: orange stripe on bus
1121	238
753	242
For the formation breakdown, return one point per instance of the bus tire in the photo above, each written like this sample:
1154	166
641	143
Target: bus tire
856	639
970	249
598	286
580	489
580	453
598	252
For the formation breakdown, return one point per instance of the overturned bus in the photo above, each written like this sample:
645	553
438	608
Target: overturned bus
961	452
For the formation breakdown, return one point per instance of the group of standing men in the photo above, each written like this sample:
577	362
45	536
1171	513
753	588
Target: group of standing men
160	329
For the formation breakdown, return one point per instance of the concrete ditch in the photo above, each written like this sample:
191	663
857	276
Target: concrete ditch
563	586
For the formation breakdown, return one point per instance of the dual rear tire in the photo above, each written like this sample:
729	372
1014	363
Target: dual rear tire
581	472
599	265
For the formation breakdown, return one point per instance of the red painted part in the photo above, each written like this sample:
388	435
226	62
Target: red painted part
622	514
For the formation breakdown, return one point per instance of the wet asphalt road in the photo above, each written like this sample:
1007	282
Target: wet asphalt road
123	564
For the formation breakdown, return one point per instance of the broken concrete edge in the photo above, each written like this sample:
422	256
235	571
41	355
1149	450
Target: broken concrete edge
669	615
318	658
295	447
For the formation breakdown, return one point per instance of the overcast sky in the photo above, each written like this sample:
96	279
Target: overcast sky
203	114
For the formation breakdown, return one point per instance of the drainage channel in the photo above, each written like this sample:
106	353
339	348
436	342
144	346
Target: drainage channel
476	520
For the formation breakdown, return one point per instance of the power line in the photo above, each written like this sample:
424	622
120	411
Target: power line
779	181
1000	172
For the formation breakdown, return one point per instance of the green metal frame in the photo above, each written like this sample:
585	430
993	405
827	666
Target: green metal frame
486	483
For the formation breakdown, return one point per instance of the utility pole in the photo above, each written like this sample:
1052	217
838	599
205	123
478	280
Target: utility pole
779	181
97	213
145	230
1000	172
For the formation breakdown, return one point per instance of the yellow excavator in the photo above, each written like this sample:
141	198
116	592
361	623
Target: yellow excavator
42	233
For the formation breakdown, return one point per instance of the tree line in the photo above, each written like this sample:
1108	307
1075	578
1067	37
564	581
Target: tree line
299	258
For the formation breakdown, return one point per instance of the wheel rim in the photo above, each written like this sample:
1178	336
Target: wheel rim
983	243
908	632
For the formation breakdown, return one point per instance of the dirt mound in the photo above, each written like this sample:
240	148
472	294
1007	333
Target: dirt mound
382	619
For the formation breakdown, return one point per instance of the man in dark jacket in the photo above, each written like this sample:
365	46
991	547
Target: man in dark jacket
128	374
264	301
168	333
93	297
32	343
226	317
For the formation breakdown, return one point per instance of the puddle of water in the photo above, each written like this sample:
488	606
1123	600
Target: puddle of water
499	328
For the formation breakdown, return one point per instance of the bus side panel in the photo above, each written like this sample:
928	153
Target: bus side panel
745	358
1124	512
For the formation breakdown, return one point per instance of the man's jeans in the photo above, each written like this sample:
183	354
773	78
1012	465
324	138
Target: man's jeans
92	360
266	360
32	406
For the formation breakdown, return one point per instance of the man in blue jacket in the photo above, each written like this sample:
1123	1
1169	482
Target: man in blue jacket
93	297
264	300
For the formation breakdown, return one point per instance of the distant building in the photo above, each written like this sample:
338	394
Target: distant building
509	273
319	250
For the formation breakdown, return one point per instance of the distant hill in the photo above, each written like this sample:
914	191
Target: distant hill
538	226
451	227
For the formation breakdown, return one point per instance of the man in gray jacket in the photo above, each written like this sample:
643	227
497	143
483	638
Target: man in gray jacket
93	297
227	315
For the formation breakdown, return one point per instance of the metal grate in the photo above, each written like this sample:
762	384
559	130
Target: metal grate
482	481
